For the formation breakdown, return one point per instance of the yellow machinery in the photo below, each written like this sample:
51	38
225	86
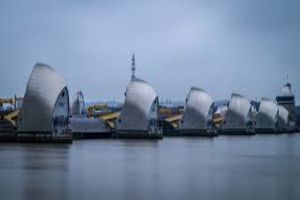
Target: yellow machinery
218	120
110	116
104	114
12	117
174	121
165	112
110	119
98	107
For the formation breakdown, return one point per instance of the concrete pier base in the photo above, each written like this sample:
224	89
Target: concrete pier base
8	137
238	131
35	137
191	133
265	131
91	135
137	135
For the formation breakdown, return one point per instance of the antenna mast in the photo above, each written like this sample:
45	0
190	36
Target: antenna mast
133	68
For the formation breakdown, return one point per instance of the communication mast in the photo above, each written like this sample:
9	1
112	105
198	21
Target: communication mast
133	68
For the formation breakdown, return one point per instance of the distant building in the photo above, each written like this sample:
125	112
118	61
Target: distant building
287	100
45	106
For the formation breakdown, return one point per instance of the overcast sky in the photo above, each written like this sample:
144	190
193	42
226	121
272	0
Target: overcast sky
222	46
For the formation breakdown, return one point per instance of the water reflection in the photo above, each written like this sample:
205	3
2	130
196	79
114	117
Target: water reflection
256	167
40	170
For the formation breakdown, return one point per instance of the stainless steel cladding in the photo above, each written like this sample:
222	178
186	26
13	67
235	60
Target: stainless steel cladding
46	102
238	114
198	110
78	105
140	110
267	115
283	117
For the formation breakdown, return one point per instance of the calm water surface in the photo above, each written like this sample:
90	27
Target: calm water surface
239	167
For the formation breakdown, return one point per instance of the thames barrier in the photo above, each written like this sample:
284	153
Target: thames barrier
44	114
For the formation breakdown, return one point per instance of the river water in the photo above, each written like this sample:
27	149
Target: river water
225	167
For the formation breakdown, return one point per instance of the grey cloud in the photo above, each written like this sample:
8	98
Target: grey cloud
222	46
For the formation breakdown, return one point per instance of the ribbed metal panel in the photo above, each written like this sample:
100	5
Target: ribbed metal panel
197	110
267	115
238	113
135	113
43	89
